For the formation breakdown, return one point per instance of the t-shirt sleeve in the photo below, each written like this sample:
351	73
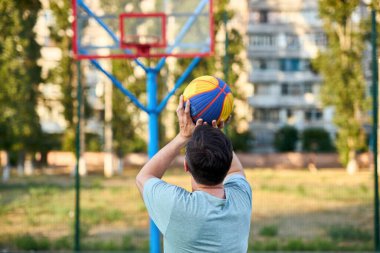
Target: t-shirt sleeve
159	198
239	183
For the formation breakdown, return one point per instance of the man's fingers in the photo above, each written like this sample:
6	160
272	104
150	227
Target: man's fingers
199	122
180	104
214	124
187	117
187	108
221	124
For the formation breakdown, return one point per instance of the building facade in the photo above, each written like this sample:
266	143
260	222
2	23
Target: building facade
284	37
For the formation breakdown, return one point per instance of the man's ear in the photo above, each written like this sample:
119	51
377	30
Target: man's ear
185	166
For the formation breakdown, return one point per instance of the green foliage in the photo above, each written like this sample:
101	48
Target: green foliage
65	242
295	245
126	117
225	65
270	245
107	246
240	141
29	242
127	243
341	67
348	233
91	215
269	231
64	73
93	142
286	138
20	76
68	140
316	140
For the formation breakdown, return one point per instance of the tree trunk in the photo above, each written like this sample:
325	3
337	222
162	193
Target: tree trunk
20	163
120	165
28	165
108	157
352	165
7	167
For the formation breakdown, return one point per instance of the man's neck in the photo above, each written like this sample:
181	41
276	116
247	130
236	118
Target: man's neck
215	190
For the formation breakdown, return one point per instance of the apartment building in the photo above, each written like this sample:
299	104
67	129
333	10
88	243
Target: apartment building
284	37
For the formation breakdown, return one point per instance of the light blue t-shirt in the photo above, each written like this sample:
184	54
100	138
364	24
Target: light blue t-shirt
199	222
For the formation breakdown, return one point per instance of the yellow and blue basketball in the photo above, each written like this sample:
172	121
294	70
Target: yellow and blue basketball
210	99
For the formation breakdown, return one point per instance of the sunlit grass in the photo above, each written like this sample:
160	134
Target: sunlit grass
302	209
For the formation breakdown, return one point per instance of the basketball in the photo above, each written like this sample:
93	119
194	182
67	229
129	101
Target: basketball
210	99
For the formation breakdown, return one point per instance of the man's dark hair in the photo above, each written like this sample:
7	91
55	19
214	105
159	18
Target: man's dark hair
208	155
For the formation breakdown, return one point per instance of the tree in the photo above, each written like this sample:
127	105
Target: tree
343	81
65	75
217	66
20	77
125	119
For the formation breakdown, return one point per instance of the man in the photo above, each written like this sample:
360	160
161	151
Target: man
215	216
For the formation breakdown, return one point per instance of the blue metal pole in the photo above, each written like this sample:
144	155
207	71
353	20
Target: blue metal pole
153	145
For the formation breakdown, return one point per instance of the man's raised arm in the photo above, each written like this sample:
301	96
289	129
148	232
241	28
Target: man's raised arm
236	166
158	164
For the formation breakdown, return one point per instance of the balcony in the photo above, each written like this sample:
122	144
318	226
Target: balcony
264	76
275	101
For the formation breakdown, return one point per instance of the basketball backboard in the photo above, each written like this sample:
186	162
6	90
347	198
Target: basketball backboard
142	28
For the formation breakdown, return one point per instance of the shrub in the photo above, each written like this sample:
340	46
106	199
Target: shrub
316	140
241	141
269	231
348	233
29	242
285	139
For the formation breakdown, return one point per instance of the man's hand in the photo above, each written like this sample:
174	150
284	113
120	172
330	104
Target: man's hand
220	125
186	124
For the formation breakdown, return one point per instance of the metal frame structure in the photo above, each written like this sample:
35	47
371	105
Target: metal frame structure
81	54
153	107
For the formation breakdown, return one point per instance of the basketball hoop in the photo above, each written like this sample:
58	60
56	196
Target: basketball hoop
142	43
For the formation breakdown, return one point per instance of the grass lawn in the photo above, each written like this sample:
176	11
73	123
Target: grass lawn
292	210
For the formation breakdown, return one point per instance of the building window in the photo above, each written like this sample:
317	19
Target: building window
264	64
313	115
263	16
292	41
260	64
289	113
263	40
290	64
262	89
308	88
284	89
320	39
291	89
266	114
